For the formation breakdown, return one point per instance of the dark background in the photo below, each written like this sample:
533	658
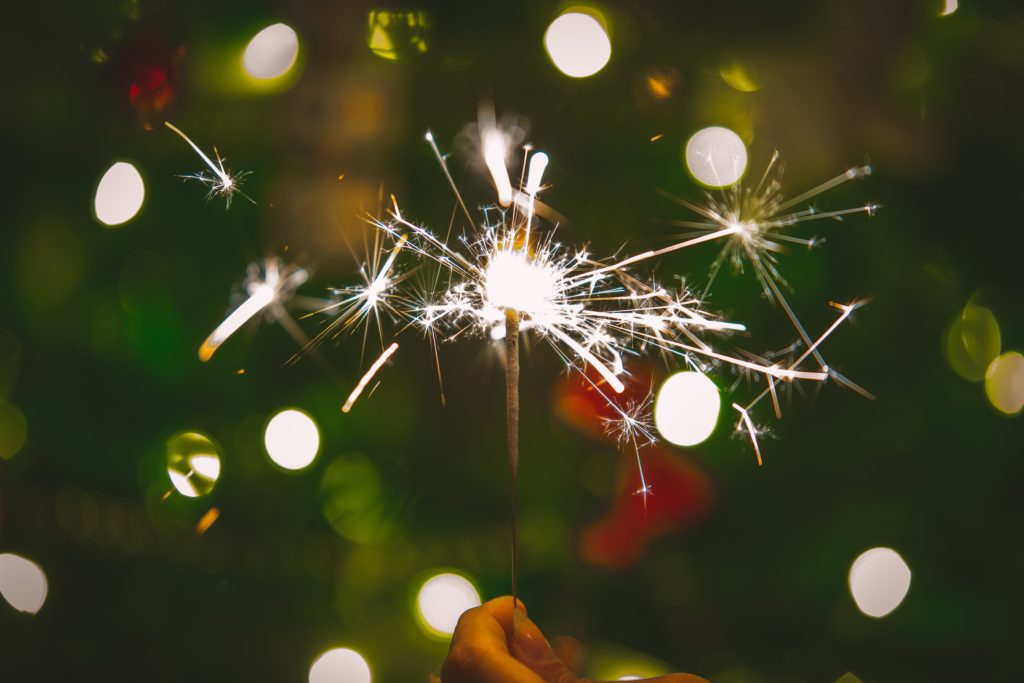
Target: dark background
108	322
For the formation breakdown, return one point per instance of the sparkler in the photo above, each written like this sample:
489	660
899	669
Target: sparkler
219	181
506	277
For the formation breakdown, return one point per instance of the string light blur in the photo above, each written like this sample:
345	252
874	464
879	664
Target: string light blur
879	581
1004	383
441	601
271	53
193	463
716	156
340	665
292	439
120	194
972	342
687	407
738	77
22	583
578	44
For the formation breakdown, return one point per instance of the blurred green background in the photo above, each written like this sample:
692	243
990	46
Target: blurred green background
100	327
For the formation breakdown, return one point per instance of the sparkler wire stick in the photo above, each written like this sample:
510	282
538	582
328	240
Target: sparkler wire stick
512	427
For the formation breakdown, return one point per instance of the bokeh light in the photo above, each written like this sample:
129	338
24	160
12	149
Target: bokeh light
738	76
340	665
13	430
716	156
394	35
972	342
352	500
193	463
22	583
687	407
292	439
879	580
441	601
120	194
578	44
271	52
1004	383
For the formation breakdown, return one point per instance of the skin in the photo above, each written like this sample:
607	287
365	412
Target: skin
494	644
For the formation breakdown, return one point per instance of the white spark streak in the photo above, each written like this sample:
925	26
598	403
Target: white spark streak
377	364
268	288
221	182
495	151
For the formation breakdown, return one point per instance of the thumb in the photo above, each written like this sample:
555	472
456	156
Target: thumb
529	646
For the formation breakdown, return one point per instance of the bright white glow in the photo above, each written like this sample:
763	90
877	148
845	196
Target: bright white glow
193	464
182	484
538	162
687	408
206	465
578	44
292	439
22	583
340	665
443	599
120	194
1004	383
716	156
879	580
271	52
514	281
495	151
260	298
949	8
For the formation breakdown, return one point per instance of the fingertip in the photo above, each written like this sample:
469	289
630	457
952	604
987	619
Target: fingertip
500	609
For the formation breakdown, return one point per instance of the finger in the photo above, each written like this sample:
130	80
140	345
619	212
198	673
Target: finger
529	646
674	678
570	651
480	648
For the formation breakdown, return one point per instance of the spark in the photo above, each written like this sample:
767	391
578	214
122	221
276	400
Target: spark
206	521
751	430
372	301
221	182
754	222
377	364
269	287
633	427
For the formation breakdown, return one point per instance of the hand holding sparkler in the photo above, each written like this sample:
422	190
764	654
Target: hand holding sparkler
496	643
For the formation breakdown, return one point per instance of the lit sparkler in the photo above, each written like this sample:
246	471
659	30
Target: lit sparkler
506	276
219	180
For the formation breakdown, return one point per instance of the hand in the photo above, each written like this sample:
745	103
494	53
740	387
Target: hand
493	644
